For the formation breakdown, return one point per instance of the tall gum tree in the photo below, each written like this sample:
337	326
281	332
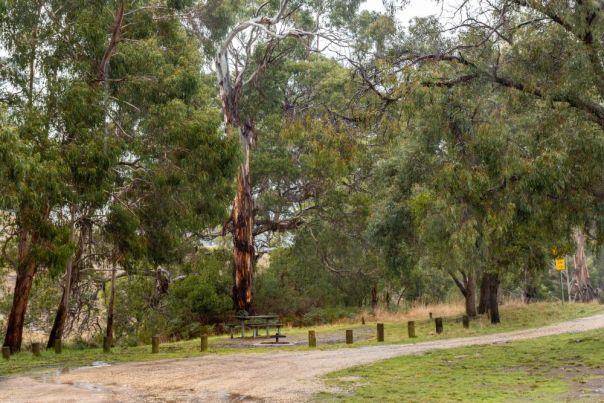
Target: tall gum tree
242	58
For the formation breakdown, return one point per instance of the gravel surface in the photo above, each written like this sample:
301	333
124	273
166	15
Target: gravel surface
276	376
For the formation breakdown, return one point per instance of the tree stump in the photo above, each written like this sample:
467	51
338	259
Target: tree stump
466	321
6	353
411	329
35	349
204	342
349	337
380	332
58	346
439	325
154	344
107	344
312	339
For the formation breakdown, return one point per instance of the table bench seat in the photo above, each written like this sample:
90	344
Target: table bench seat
256	326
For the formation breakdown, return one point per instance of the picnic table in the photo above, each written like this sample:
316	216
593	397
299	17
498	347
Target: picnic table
257	321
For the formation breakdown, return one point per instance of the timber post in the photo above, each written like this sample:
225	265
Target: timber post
204	342
380	332
154	344
439	325
6	353
58	346
411	329
312	338
466	322
430	313
35	349
349	337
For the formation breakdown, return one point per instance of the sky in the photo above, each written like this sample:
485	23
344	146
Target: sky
416	8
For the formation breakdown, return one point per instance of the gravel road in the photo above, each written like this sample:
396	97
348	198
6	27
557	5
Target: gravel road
277	376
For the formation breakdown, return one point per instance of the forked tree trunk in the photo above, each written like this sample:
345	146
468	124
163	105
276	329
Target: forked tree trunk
582	290
489	296
467	286
26	269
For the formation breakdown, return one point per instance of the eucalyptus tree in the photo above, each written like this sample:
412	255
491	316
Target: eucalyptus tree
54	109
105	97
174	176
482	183
262	35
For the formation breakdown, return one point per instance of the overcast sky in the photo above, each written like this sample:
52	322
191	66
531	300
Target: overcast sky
416	8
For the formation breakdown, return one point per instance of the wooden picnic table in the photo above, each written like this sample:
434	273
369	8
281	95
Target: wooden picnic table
252	318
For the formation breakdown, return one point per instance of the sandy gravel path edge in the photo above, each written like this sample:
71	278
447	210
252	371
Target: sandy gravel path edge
284	376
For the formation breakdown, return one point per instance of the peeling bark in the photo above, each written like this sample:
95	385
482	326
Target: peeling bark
582	289
26	269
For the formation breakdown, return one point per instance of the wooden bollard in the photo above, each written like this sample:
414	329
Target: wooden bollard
349	337
58	346
204	342
430	313
466	321
411	329
35	349
6	353
154	344
107	341
362	320
439	325
312	339
380	332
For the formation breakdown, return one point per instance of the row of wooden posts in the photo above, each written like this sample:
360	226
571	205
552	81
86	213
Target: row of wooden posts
58	347
312	338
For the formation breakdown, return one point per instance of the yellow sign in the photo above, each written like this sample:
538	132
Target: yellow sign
560	264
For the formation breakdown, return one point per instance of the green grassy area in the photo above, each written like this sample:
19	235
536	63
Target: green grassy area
558	368
514	317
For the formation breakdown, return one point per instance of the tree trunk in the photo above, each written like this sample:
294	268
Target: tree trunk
109	332
69	281
483	305
57	328
493	297
374	297
582	290
162	284
26	269
471	295
242	217
467	286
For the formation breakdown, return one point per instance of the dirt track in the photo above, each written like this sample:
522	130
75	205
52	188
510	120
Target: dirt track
272	376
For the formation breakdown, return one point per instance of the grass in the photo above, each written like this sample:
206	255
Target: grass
558	368
514	317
